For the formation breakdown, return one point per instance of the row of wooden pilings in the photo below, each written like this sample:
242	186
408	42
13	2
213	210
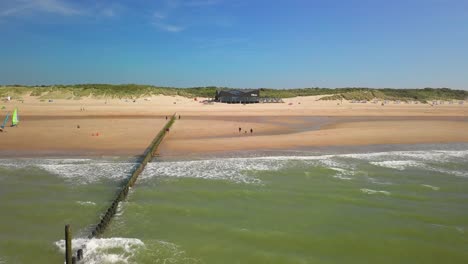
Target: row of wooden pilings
121	195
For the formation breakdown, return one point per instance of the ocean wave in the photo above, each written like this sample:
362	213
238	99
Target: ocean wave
84	171
426	155
86	203
127	250
228	169
370	191
397	164
380	182
81	171
435	188
105	250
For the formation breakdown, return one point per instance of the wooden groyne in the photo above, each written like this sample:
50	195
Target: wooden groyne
122	194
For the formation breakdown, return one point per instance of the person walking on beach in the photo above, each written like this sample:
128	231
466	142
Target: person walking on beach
166	117
251	131
179	117
240	129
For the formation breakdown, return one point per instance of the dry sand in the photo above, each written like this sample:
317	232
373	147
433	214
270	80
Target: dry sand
126	127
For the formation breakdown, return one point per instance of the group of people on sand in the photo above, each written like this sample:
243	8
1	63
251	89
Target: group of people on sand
82	109
245	132
179	117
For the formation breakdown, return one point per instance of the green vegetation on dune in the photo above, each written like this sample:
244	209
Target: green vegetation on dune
137	91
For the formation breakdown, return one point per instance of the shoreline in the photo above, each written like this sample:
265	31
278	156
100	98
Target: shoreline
304	151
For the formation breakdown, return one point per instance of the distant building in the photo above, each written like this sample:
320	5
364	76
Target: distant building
238	96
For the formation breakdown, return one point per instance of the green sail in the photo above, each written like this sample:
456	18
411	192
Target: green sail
14	118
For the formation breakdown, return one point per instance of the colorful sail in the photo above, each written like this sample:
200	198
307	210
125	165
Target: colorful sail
6	120
14	118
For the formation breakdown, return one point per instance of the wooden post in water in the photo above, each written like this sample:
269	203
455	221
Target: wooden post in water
79	254
68	245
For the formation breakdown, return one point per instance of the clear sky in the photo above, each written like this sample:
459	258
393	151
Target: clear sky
236	43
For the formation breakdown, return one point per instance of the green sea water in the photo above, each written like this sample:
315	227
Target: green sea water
407	206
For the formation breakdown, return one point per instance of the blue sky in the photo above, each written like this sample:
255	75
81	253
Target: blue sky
236	43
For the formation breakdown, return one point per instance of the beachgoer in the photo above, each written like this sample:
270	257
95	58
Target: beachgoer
179	117
251	131
166	117
240	129
78	126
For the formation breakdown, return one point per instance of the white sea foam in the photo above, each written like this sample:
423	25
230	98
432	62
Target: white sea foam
341	177
372	180
86	203
124	250
90	172
81	171
234	169
105	250
223	169
370	191
435	188
457	228
342	174
429	155
397	164
85	171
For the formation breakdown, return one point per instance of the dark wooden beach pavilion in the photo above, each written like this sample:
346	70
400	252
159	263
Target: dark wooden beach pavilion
243	96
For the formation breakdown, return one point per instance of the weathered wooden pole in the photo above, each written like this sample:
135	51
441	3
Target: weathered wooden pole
79	254
68	245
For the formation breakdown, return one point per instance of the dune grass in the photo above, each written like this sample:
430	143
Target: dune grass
134	91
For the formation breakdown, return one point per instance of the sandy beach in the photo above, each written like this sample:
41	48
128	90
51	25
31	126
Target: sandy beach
125	126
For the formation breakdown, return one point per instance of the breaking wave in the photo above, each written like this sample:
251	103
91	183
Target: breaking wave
127	250
370	191
86	203
105	250
84	171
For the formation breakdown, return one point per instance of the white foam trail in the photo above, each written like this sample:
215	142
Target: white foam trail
435	188
370	191
86	203
372	180
342	174
342	177
397	164
105	250
457	228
